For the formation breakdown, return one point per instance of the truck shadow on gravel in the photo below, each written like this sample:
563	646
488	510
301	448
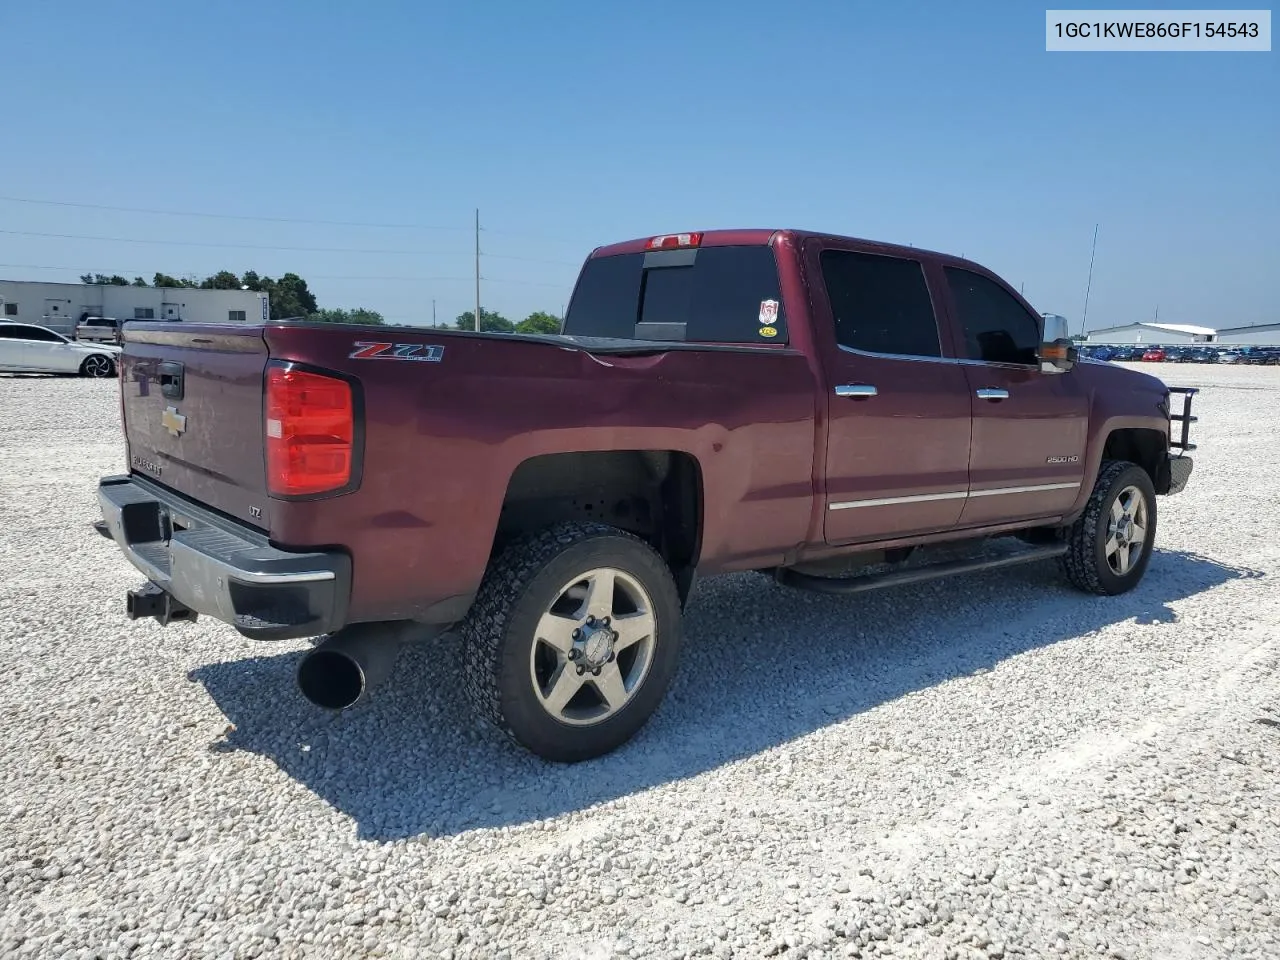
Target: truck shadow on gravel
761	666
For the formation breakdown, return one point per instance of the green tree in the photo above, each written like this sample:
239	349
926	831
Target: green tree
222	280
539	322
115	280
138	282
289	297
490	322
357	315
164	280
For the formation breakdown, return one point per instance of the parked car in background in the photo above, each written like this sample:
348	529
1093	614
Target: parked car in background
1153	355
1229	356
98	329
25	348
1260	355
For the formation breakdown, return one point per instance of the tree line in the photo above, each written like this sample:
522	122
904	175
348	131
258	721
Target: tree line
491	322
290	298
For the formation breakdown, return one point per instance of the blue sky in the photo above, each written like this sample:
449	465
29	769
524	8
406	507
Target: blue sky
571	124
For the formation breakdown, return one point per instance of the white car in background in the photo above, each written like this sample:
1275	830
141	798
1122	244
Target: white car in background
25	348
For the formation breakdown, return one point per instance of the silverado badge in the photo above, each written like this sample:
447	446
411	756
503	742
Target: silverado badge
173	421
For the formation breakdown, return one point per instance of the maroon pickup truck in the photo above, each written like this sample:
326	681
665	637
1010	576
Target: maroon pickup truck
836	413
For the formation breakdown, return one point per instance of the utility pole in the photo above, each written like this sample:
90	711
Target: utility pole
477	269
1089	286
433	313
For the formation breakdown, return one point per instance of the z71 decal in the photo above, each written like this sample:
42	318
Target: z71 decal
368	350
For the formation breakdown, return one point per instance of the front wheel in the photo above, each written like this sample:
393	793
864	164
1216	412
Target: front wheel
1109	547
97	365
573	640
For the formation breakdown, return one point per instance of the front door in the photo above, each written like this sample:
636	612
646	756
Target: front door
1030	428
898	411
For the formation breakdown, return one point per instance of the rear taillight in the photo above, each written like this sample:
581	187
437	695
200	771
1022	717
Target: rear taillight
674	241
310	431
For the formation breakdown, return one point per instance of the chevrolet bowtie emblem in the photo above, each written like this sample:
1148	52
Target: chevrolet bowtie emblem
173	421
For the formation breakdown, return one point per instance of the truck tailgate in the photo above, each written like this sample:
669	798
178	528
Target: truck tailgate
192	408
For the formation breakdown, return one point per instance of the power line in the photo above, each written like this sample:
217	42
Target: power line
136	272
260	219
251	246
229	216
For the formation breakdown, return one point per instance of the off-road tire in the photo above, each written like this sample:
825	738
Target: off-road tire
1085	562
517	590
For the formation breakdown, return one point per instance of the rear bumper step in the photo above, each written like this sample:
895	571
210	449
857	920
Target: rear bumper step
199	562
935	571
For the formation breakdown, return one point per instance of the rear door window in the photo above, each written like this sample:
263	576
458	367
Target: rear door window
707	295
880	304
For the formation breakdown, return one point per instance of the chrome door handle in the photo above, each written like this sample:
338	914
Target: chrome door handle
859	391
989	393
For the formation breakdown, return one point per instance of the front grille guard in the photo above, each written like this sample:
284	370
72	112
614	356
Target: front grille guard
1180	439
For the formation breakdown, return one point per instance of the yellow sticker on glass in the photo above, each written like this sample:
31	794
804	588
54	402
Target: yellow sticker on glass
768	331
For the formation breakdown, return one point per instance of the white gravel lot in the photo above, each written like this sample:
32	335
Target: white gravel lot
983	767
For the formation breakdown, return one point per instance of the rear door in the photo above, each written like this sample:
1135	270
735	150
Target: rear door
899	410
193	414
1029	428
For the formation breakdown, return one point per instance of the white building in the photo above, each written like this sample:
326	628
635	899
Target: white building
1162	333
1267	334
1169	334
59	306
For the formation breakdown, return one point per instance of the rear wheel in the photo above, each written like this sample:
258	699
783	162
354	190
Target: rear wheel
97	365
573	640
1109	547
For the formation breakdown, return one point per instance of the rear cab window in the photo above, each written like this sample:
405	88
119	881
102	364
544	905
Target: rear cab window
710	294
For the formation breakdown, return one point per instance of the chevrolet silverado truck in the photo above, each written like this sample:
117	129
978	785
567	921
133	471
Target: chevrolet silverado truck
831	412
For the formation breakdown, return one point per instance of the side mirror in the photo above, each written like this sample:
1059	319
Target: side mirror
1057	353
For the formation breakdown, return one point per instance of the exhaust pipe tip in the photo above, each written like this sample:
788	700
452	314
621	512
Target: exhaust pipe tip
331	679
347	665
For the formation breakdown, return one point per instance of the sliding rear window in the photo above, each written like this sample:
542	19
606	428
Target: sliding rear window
705	295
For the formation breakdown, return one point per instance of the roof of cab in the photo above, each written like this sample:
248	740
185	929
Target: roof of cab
760	237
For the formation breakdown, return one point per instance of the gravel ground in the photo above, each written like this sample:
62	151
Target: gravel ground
983	767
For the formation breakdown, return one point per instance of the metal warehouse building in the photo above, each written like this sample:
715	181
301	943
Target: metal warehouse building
1180	333
59	306
1152	333
1267	334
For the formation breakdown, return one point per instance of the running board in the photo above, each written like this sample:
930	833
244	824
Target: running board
898	578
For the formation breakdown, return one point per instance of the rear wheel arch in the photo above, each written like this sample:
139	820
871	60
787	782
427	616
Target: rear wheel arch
656	495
